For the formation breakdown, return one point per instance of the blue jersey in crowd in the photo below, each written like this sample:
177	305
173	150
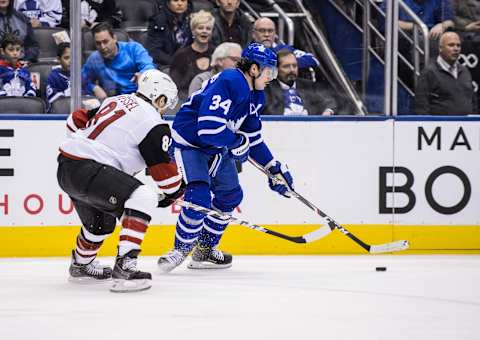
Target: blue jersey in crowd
15	81
431	12
58	84
213	114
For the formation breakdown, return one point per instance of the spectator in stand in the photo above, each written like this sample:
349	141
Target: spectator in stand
197	5
58	82
14	22
467	16
113	68
193	59
265	33
42	13
93	12
445	86
438	15
231	24
290	95
225	56
169	30
15	79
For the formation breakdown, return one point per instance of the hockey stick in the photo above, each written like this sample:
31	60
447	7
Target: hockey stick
307	238
372	249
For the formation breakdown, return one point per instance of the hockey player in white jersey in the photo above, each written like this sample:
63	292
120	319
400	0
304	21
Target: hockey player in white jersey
218	125
96	167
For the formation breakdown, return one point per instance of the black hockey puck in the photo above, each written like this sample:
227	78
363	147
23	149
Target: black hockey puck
381	269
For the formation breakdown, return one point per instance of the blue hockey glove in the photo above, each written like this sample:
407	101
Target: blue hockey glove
241	148
282	181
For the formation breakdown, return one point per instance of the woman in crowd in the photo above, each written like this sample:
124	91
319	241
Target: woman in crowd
169	30
194	59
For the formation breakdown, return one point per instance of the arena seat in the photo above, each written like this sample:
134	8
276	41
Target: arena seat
40	72
22	105
62	104
136	13
46	42
138	34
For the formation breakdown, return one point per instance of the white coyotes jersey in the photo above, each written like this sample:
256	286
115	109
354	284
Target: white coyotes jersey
112	136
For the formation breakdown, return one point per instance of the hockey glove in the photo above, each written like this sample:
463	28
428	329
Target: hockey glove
241	148
166	200
282	181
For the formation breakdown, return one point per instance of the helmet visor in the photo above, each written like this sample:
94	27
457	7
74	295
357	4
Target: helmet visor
270	72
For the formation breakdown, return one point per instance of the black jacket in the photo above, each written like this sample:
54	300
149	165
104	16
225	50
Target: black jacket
439	93
240	22
161	42
316	97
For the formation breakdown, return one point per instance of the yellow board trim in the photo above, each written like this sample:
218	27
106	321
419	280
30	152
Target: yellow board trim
60	240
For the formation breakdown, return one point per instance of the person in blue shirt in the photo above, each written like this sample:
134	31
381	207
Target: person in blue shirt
113	68
218	125
438	15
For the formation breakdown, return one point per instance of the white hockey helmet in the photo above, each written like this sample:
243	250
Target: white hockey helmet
154	83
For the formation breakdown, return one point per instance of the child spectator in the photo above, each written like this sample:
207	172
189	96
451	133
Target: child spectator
14	22
15	79
58	83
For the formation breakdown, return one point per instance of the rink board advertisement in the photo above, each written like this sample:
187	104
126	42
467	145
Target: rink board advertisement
384	179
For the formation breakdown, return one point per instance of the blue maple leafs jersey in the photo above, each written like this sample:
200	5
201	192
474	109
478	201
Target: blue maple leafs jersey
212	115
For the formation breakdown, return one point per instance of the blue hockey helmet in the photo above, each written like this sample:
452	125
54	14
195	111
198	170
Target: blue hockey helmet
258	53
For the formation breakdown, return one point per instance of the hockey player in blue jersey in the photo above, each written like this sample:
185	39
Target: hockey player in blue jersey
218	125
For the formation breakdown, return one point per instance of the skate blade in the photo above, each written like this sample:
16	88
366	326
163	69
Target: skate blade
130	286
167	267
87	280
207	265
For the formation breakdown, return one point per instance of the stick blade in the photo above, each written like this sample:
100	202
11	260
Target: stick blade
390	247
317	234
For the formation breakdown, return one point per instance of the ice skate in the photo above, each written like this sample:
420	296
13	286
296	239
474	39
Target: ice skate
126	277
209	258
171	260
91	272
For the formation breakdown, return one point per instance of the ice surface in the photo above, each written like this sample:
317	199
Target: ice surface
260	297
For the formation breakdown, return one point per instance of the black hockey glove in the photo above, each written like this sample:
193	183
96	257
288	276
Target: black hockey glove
166	200
282	181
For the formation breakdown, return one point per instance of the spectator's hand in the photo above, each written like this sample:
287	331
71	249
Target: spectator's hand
473	27
135	77
328	112
436	31
99	93
35	23
24	63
